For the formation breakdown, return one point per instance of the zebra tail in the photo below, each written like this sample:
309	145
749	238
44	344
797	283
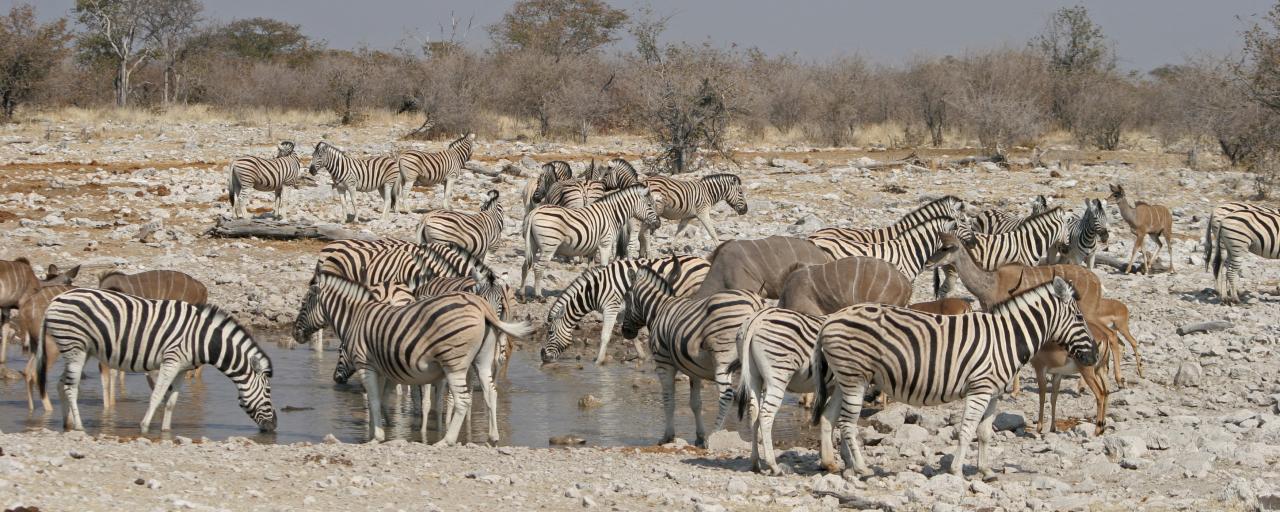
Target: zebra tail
519	330
233	188
41	357
1218	258
745	334
820	370
1208	242
529	242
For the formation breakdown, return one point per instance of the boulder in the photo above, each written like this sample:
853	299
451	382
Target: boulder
1189	375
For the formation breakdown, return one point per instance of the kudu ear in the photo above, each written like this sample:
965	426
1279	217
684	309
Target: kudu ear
1063	290
71	274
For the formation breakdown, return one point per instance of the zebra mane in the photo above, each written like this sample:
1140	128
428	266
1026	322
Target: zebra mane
1056	210
352	290
575	288
1039	292
661	281
216	313
623	193
490	200
927	224
724	176
621	164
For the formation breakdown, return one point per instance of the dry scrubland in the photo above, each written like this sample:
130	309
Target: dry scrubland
138	193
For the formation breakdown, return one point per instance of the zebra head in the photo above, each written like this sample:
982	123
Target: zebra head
246	365
255	392
1100	220
1039	204
490	200
1067	327
284	149
346	366
643	208
310	319
732	193
559	334
321	157
618	174
648	289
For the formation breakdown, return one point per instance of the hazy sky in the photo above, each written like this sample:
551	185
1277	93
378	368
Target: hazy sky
1147	33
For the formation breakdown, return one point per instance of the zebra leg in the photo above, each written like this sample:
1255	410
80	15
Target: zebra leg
705	218
171	399
724	388
386	202
751	394
163	380
974	408
448	191
373	395
985	435
768	408
351	200
484	374
855	465
695	403
644	242
70	389
107	376
667	376
279	211
606	331
461	391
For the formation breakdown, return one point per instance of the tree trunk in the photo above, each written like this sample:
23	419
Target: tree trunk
7	106
122	83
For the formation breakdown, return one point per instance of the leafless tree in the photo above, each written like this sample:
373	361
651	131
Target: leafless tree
170	24
1104	108
117	27
930	83
1000	98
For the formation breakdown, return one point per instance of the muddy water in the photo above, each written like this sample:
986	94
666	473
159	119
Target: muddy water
535	403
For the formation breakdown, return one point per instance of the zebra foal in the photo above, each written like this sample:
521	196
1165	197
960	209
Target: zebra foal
168	337
924	359
696	337
350	175
428	169
249	173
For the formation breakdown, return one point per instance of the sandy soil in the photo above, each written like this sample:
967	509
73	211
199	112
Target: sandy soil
135	197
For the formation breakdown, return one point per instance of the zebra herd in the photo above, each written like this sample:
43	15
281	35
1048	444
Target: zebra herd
434	315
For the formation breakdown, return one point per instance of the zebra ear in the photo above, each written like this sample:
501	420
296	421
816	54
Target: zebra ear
1063	290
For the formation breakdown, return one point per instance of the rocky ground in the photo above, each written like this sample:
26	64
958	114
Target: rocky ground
1200	431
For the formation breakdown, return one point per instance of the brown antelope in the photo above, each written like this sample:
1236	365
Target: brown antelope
1115	315
1054	360
1145	220
17	278
949	306
829	287
759	266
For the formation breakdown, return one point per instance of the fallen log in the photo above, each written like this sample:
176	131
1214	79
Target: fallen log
481	170
1117	263
1216	325
275	230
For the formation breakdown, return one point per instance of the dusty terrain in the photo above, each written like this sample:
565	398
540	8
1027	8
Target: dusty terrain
140	196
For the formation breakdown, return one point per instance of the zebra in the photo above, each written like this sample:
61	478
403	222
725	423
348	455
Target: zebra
1084	233
1033	242
775	347
908	253
577	193
350	175
994	222
619	173
1255	230
1221	212
475	232
550	229
601	289
925	359
946	206
249	173
685	200
536	190
169	337
694	336
430	169
415	344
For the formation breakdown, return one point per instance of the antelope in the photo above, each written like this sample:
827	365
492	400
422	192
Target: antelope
1145	220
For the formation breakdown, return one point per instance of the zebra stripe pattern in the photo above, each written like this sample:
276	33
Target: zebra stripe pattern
350	175
392	260
947	206
601	289
619	173
1084	233
416	344
924	359
426	169
1246	231
696	337
552	172
777	345
550	229
1221	212
475	232
169	337
249	173
1033	242
577	193
994	222
685	200
908	253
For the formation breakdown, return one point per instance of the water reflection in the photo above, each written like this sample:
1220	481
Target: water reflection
535	403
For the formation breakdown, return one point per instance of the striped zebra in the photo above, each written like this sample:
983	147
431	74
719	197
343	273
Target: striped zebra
1084	233
168	337
994	222
924	359
416	344
575	193
1221	212
601	289
1254	230
696	337
536	190
776	345
475	232
946	206
249	173
350	175
596	229
685	200
619	173
426	169
1033	242
908	253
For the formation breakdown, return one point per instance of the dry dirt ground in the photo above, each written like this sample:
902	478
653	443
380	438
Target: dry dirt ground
139	196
